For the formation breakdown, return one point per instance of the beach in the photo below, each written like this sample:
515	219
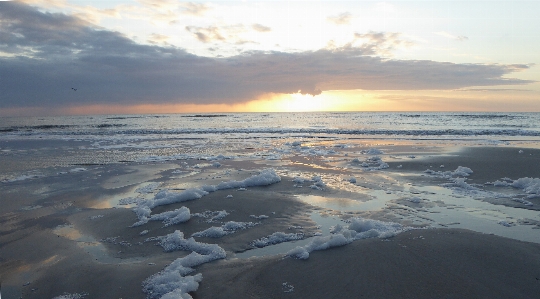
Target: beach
283	218
264	149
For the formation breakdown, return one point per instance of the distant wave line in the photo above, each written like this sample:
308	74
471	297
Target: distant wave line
282	131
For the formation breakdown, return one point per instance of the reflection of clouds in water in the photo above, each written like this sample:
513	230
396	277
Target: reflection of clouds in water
68	231
341	204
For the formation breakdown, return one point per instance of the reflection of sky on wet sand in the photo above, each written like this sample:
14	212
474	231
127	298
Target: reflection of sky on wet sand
341	204
86	242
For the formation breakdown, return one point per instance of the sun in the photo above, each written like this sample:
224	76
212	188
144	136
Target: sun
291	103
304	103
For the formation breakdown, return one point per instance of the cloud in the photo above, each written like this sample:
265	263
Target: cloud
449	102
206	34
261	28
512	90
85	12
195	9
46	54
226	34
159	4
341	19
156	38
451	36
382	43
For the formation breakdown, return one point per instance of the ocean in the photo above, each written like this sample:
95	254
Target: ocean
103	139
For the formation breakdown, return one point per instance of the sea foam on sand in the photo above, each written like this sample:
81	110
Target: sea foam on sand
166	197
357	229
460	171
531	186
276	238
174	281
228	228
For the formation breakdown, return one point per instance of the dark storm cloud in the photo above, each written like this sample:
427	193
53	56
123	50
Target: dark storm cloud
46	54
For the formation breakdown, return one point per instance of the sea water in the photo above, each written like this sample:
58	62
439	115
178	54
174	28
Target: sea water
102	139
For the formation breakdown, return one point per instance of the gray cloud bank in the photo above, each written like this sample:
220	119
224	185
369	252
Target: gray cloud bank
47	54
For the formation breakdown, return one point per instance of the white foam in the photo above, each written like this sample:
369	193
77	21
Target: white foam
219	157
166	197
523	201
176	241
174	280
373	151
264	178
212	215
498	183
371	163
172	217
23	178
460	183
531	186
276	238
287	287
299	180
358	228
184	157
212	232
318	243
259	217
71	296
460	171
226	229
318	184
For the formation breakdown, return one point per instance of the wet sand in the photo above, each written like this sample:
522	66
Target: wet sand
432	263
106	258
95	251
488	163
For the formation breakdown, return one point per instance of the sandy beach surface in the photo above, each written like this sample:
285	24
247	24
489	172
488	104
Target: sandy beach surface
71	233
433	263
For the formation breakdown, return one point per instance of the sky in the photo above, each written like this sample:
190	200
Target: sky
63	57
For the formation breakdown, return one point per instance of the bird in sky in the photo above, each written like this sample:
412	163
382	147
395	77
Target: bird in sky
74	89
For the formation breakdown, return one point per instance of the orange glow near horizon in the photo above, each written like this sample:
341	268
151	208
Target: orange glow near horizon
353	100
